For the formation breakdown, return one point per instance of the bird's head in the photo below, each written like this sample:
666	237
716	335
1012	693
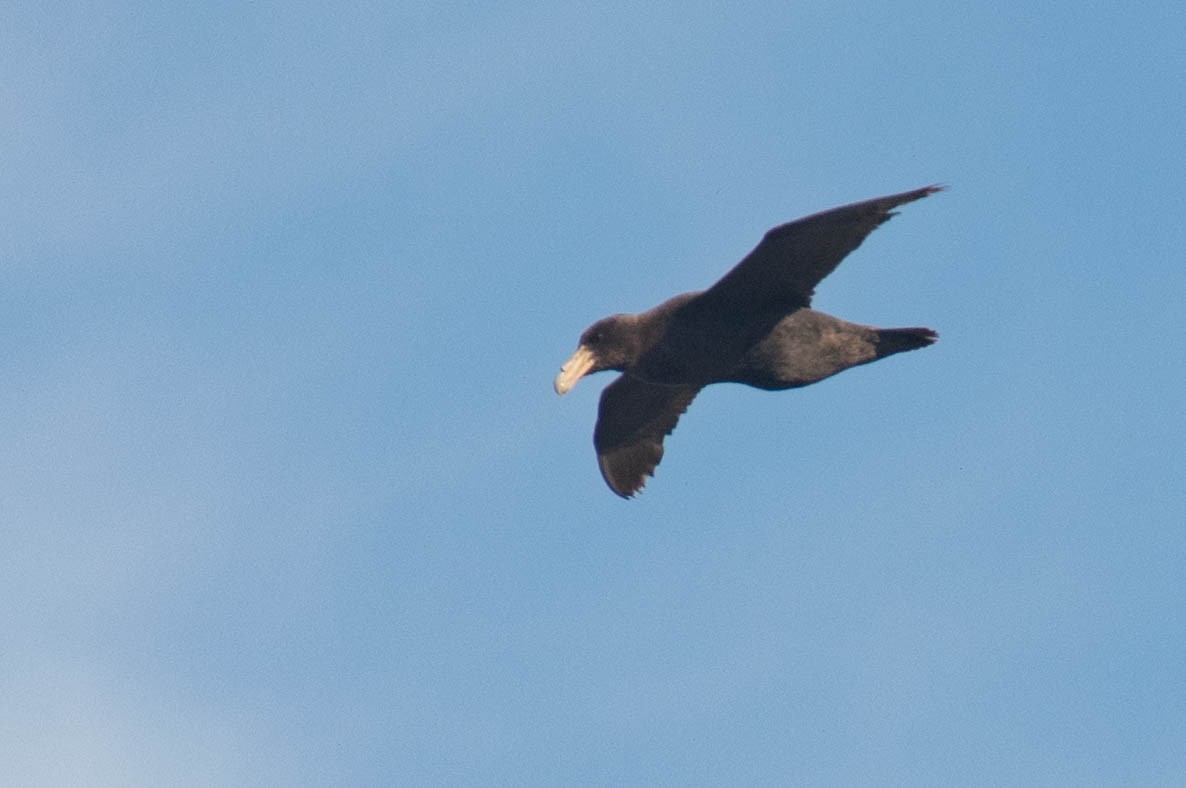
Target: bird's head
607	344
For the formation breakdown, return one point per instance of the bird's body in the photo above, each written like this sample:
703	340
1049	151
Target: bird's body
755	326
808	346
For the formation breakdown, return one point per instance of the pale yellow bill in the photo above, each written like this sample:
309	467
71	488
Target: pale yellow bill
574	369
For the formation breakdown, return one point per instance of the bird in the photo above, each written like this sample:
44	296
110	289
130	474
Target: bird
754	326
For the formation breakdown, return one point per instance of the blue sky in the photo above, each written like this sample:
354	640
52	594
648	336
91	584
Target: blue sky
287	497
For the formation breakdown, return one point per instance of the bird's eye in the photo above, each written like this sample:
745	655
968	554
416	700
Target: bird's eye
595	338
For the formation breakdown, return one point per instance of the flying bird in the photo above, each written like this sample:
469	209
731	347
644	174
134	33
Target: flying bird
754	326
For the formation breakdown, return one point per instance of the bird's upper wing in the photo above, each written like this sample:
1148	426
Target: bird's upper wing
633	418
793	258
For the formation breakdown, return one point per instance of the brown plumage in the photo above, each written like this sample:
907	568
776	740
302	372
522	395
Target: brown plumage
754	326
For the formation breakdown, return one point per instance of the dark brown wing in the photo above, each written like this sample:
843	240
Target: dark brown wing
793	258
633	418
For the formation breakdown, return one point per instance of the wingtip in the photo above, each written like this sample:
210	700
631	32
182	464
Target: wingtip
638	489
624	489
925	191
898	200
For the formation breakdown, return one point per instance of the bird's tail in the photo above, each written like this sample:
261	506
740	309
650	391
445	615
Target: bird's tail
896	340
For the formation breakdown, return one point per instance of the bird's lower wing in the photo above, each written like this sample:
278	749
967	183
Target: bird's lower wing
633	418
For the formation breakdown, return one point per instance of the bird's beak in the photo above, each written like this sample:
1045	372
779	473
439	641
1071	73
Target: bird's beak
574	369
